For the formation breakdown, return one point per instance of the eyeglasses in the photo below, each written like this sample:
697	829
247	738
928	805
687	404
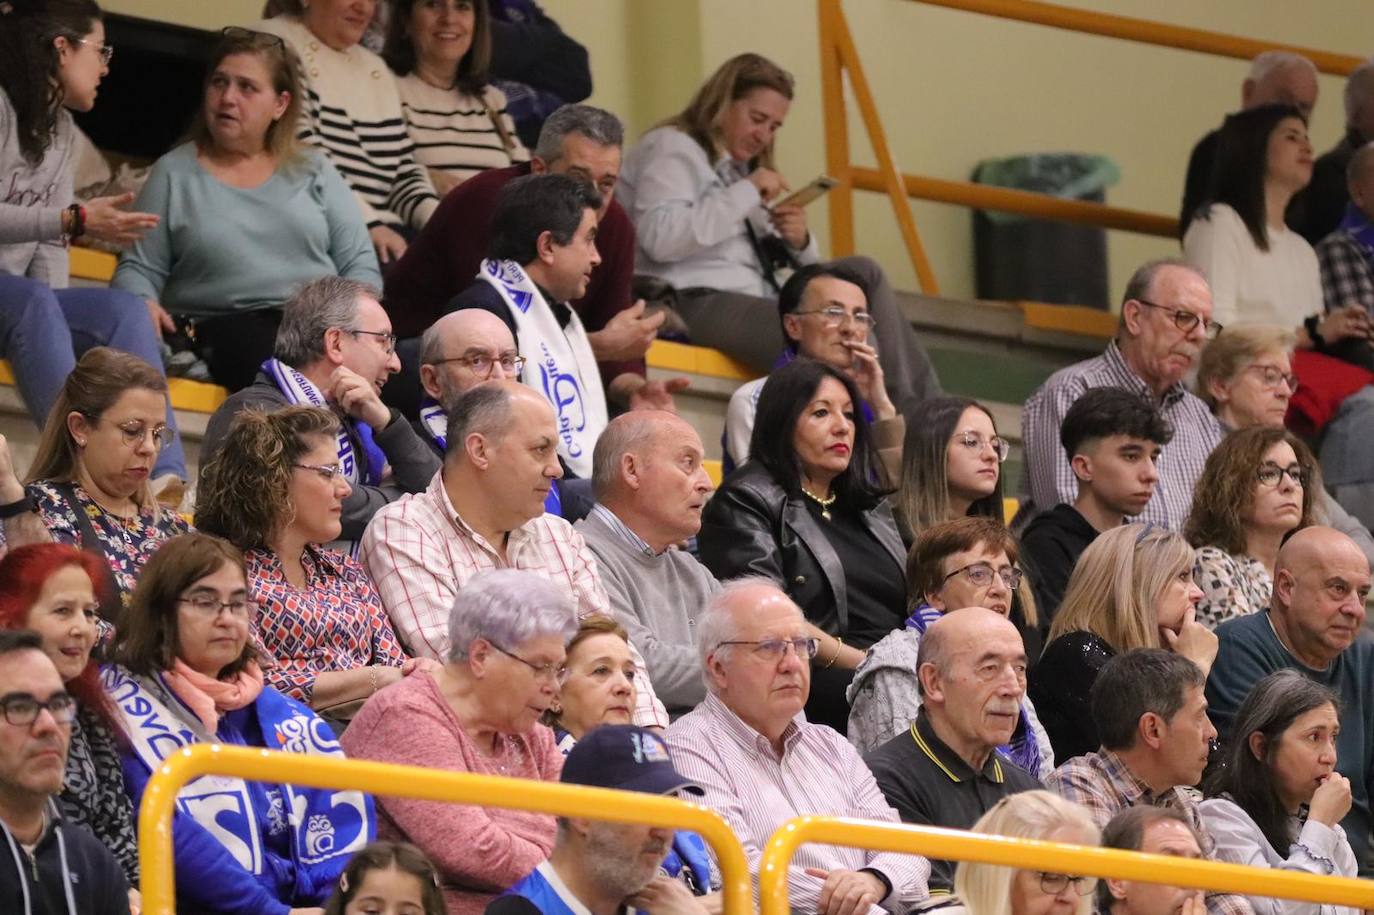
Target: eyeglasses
549	673
1186	320
209	606
328	472
1271	474
1272	377
388	339
980	575
136	433
774	649
976	443
106	51
834	316
22	709
263	39
1054	884
483	364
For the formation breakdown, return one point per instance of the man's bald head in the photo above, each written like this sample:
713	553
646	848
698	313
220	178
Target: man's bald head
1321	582
629	433
957	631
472	335
1281	78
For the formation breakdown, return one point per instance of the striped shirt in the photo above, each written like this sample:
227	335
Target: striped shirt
455	132
420	551
1050	480
756	790
352	111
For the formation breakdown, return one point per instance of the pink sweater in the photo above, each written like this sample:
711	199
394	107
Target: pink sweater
480	851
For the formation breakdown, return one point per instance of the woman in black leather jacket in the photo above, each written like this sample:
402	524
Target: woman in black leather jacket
806	511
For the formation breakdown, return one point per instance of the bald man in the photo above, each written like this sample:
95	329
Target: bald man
1274	78
1317	210
650	486
1313	625
483	510
946	769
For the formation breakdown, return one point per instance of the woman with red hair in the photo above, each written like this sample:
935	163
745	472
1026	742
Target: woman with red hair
52	588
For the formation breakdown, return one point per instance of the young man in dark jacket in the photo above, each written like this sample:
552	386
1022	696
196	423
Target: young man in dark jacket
52	867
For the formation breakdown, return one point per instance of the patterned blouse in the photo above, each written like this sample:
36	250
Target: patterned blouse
1231	586
336	623
93	790
126	542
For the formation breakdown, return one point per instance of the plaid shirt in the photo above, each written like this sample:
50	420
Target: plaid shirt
420	552
1102	784
1347	274
1049	479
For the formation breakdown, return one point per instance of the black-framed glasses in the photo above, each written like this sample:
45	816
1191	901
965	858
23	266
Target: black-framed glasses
21	709
976	443
834	316
980	575
1272	376
1271	474
327	472
388	339
106	51
774	649
548	672
209	606
135	433
1185	320
1054	884
483	364
238	33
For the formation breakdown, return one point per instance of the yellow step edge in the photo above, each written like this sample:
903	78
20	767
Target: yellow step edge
697	360
713	470
1010	506
89	264
190	396
1073	319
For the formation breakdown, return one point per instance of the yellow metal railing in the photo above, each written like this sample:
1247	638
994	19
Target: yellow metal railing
839	56
1025	854
159	798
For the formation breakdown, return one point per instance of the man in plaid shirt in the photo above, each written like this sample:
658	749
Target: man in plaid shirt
1151	714
1346	255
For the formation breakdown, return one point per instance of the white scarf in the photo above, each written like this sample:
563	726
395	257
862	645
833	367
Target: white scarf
567	375
297	389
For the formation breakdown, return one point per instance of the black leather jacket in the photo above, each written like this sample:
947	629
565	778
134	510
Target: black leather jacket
752	527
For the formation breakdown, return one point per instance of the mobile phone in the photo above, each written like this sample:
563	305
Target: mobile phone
809	194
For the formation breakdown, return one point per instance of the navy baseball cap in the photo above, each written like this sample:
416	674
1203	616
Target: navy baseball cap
626	757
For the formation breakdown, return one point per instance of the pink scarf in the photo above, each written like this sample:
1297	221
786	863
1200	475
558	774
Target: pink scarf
207	696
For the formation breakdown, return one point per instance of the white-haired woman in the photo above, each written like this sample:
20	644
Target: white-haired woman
987	889
479	713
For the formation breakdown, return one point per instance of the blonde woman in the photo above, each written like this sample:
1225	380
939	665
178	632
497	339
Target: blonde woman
1132	588
987	889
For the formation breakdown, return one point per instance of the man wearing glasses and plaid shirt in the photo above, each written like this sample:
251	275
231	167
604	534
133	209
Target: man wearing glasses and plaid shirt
1166	319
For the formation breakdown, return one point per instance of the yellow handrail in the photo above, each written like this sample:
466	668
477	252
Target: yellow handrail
839	55
1027	854
159	799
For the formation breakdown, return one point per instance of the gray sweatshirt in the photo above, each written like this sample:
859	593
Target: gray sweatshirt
32	200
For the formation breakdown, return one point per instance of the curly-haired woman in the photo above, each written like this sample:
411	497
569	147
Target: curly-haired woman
275	490
1258	485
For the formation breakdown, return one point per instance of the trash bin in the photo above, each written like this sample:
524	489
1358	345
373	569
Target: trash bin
1019	257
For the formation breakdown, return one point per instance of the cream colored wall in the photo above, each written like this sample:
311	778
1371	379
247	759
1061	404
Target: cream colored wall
953	88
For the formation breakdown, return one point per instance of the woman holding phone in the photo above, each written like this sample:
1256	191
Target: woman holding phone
712	219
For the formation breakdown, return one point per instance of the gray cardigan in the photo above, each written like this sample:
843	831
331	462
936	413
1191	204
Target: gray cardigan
31	202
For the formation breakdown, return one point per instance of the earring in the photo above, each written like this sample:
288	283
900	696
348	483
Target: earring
81	443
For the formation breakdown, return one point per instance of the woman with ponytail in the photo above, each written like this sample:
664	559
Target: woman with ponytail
53	56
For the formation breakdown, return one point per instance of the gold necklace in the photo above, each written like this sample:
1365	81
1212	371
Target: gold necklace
823	503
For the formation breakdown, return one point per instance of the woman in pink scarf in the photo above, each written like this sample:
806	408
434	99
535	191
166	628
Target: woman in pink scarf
186	673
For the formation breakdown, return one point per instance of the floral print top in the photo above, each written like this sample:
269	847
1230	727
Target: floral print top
335	623
1231	586
127	543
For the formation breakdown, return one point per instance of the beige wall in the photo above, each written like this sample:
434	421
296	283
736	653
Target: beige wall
953	88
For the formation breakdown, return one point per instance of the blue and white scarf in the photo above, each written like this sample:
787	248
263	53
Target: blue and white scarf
326	826
559	364
297	389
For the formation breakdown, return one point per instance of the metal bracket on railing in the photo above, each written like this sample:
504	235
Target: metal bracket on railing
159	799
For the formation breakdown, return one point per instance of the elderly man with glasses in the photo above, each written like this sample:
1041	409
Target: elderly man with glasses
1166	320
759	761
824	313
335	349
